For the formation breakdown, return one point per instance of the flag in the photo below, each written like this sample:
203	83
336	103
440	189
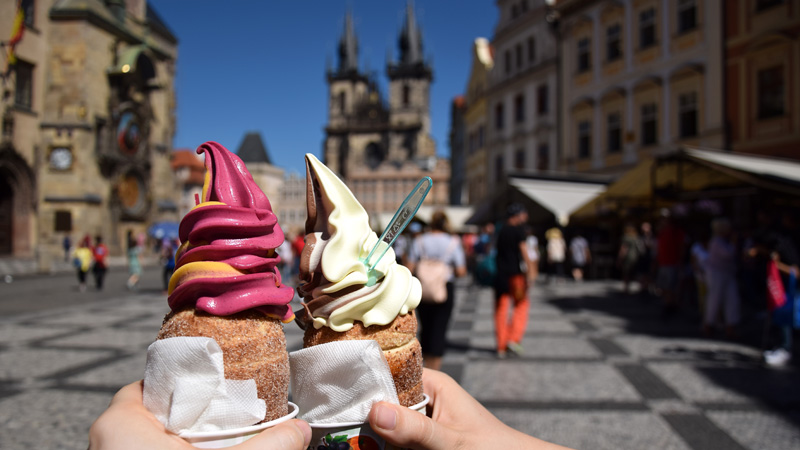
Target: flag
17	30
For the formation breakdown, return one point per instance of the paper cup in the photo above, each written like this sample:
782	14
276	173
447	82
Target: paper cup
227	438
357	434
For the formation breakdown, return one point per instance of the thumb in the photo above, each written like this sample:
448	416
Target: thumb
405	427
294	434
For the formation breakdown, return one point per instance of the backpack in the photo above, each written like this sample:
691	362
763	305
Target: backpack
486	269
433	275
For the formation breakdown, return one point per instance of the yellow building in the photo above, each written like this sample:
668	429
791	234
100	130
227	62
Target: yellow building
637	78
87	125
475	123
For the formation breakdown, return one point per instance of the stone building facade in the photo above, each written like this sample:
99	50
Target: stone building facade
382	149
762	76
88	122
638	78
522	135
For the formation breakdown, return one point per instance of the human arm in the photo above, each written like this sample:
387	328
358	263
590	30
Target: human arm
783	267
128	425
457	420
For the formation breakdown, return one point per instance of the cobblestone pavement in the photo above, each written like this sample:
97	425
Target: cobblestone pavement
599	371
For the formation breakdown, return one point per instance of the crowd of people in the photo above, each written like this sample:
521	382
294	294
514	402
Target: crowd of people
93	257
711	265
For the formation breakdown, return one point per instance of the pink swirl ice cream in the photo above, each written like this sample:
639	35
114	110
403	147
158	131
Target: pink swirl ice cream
227	262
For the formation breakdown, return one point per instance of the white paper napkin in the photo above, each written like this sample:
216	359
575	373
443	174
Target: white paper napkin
185	388
339	381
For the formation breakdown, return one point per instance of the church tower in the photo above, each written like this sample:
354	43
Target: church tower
409	95
347	89
381	149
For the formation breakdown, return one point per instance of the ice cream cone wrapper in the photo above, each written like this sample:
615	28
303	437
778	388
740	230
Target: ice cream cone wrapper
228	438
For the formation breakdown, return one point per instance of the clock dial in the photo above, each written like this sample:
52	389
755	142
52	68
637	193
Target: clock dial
128	133
61	158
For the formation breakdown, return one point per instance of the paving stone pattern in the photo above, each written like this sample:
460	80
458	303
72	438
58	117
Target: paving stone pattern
600	371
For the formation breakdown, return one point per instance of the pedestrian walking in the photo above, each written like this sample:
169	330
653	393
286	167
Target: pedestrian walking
82	260
630	251
445	249
669	256
580	255
723	291
66	243
99	255
556	252
532	245
134	264
511	283
168	249
287	259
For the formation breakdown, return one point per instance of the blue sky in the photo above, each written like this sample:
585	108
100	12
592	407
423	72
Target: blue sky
260	65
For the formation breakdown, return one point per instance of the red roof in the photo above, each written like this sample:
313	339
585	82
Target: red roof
186	158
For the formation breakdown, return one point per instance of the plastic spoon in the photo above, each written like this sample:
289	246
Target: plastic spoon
399	222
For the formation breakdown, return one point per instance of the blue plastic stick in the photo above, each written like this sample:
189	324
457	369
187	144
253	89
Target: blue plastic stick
399	222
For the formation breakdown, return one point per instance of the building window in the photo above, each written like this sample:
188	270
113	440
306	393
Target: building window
542	105
508	61
406	95
649	124
543	157
531	49
519	159
761	5
23	92
647	28
687	15
63	221
519	108
584	55
480	136
342	101
514	11
584	139
498	168
687	108
28	10
518	51
614	130
498	116
771	89
613	44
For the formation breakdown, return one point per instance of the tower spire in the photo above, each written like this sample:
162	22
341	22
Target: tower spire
410	41
348	46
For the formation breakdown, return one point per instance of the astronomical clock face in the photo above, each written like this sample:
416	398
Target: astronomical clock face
61	158
131	191
129	134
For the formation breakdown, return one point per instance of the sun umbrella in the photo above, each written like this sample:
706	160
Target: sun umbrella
161	230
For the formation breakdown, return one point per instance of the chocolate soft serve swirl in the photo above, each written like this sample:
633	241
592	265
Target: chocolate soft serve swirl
333	275
227	261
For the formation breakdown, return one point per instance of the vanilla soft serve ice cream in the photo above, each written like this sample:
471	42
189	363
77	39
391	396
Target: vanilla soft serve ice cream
334	277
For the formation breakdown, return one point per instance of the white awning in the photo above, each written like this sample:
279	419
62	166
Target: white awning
559	197
757	165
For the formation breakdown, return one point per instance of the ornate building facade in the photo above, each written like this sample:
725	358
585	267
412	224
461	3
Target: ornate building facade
382	149
88	122
638	78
